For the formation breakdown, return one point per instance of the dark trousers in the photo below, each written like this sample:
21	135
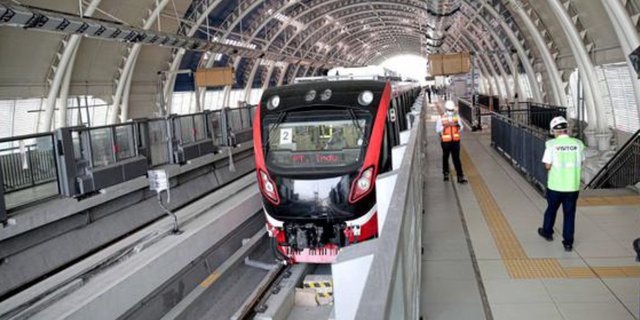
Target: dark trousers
453	149
429	95
568	201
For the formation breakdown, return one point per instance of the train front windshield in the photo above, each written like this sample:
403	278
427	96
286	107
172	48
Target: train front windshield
317	139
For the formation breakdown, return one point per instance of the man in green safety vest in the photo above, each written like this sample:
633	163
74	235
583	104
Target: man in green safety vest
563	159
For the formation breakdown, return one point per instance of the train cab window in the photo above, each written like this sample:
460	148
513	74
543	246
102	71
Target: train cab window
331	138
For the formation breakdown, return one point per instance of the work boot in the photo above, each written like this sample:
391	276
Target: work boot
567	247
446	177
546	236
462	180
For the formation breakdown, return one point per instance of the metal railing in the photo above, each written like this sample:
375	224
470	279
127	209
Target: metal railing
26	162
392	286
622	170
29	164
491	103
523	145
536	115
469	112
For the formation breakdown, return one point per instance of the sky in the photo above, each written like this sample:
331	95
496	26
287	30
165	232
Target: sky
409	65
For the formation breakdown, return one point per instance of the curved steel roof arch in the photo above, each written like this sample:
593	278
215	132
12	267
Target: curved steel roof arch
322	15
322	34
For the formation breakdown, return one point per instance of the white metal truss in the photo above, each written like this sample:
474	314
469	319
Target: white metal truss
627	36
593	96
62	76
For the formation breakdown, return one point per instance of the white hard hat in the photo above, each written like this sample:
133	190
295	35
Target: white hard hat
558	123
450	105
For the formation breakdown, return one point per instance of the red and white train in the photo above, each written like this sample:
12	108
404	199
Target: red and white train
319	147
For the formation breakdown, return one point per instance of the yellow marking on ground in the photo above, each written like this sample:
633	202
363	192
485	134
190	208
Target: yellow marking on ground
609	201
210	279
579	272
517	263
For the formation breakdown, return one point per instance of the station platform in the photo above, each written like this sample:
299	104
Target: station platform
483	258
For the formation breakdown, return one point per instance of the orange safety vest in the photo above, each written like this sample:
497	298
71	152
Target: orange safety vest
450	132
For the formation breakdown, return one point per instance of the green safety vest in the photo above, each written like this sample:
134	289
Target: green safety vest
566	153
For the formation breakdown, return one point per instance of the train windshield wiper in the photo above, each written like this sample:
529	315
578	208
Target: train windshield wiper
355	122
275	126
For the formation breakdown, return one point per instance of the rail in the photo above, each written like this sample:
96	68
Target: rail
391	288
523	145
622	170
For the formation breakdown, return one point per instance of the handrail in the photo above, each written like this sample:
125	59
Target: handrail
604	177
535	115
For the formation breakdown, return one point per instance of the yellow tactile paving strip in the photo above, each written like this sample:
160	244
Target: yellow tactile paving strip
609	201
518	265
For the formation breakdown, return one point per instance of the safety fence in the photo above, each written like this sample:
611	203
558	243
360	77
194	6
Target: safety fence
622	170
491	103
523	145
536	115
79	161
27	163
465	108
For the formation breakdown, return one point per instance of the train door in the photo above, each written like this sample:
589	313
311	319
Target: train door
392	121
385	155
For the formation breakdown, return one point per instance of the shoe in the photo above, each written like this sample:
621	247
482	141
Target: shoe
568	247
547	237
446	177
462	180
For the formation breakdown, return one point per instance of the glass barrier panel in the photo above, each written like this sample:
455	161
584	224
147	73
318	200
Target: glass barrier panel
77	144
29	170
186	129
200	128
244	115
216	127
158	139
235	120
125	143
101	147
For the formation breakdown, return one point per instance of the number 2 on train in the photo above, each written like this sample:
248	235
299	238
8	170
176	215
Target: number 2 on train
286	136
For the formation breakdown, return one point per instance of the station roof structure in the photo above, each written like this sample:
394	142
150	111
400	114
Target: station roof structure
269	42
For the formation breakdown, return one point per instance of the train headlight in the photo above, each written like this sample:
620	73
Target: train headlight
268	188
273	103
325	95
365	98
362	185
310	96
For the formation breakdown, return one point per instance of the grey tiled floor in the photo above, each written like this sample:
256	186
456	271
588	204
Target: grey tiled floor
603	237
449	285
450	289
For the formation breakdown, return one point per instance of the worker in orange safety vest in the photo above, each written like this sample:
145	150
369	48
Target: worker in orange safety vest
449	128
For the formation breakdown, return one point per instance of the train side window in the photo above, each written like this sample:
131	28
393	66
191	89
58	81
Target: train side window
385	156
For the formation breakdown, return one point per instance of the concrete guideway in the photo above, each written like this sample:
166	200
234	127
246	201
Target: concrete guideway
109	294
